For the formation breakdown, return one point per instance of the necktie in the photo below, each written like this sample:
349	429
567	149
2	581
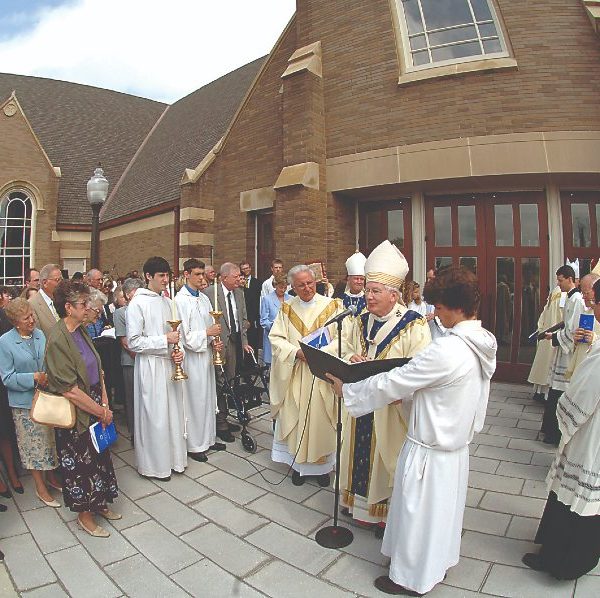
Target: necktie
232	326
53	310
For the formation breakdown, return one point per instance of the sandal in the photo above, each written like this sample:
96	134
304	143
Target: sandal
98	532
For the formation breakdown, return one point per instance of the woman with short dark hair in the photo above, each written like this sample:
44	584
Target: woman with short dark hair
73	369
449	384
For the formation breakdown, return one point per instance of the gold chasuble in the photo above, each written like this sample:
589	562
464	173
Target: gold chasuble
372	442
291	383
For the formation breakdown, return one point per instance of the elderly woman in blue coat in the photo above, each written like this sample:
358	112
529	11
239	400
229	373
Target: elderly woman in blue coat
269	307
21	367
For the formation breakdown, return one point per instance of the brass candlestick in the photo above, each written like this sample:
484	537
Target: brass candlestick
178	374
217	359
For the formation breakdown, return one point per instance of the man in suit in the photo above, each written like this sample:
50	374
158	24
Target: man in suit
252	297
42	302
234	323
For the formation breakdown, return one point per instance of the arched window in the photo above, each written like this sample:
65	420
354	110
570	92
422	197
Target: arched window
15	237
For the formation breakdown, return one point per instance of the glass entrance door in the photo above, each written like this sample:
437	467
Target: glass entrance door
502	237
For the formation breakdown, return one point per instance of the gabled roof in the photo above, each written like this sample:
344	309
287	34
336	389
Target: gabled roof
79	126
187	131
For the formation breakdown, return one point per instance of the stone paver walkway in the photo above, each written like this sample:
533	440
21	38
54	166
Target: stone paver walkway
222	530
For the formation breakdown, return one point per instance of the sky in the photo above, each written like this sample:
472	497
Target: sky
156	49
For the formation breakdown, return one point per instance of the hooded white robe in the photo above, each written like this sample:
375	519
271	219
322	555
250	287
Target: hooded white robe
200	387
449	383
159	412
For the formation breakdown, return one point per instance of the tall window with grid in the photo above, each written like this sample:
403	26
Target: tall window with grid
439	32
15	237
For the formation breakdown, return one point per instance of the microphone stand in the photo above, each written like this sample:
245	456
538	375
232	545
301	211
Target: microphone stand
335	536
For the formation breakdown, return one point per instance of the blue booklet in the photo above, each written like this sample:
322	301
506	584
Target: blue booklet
102	438
586	321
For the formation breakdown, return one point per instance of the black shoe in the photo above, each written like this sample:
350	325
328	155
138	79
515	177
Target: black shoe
201	457
225	436
234	427
533	561
323	480
18	489
3	508
1	556
551	440
345	511
379	531
217	446
387	586
539	397
297	479
153	477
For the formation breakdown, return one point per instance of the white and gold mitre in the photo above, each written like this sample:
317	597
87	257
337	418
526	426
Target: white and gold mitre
574	265
596	269
355	264
386	265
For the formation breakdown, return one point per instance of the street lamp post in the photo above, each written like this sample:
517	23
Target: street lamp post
97	190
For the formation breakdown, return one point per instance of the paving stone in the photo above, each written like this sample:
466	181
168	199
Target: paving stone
513	505
231	487
487	481
504	454
495	549
12	522
587	586
446	591
365	545
296	517
133	485
299	551
285	489
264	440
122	444
183	488
490	440
195	469
80	575
496	402
117	462
356	575
501	421
516	582
140	579
171	513
228	515
513	433
539	409
468	574
543	459
507	412
6	587
51	591
25	562
322	501
531	445
106	550
486	521
279	579
535	489
523	528
206	579
234	464
128	457
66	514
528	472
132	514
263	424
529	424
474	496
263	457
160	547
225	549
28	500
482	464
49	530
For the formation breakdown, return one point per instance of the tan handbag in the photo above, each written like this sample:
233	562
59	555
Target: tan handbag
52	410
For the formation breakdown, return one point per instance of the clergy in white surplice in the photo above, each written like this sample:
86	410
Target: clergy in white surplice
449	384
159	409
354	294
303	407
373	441
565	345
198	332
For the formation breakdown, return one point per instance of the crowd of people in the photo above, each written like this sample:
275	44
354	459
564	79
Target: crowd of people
108	344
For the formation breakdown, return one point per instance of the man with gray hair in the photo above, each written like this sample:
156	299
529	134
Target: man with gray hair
94	278
130	286
304	438
229	299
42	302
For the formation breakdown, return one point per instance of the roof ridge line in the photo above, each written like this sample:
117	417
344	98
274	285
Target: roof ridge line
132	161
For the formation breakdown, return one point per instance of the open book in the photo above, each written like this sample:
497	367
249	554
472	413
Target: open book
321	363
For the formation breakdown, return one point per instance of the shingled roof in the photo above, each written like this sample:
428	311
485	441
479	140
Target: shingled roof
79	126
187	131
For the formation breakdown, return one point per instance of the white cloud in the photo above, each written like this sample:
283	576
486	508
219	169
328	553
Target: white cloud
162	50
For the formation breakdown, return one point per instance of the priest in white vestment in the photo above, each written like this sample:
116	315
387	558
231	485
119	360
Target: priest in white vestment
449	384
159	410
565	345
551	315
198	332
372	442
303	407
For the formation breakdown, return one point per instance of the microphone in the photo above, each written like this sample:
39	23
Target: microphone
351	311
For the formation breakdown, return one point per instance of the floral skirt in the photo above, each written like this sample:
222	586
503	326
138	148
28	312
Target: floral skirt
35	441
89	480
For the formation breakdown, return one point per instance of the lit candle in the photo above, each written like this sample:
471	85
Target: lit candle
215	285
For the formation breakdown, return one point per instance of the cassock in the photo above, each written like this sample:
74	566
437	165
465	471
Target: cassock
539	375
308	432
200	387
449	383
159	407
373	441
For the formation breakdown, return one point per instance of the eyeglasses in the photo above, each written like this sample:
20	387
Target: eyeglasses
55	279
305	285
